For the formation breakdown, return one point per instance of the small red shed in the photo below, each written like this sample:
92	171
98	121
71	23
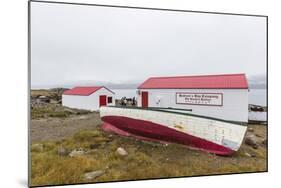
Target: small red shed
88	98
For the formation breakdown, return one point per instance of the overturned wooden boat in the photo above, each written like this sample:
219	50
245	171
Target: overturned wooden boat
170	125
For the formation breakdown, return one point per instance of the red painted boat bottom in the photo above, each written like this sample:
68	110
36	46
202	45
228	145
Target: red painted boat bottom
110	128
150	131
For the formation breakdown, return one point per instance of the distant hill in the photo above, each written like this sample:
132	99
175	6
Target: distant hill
131	85
255	82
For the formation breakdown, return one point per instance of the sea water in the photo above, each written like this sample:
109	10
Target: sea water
258	97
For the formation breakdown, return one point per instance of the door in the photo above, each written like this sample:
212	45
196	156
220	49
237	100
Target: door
144	99
102	100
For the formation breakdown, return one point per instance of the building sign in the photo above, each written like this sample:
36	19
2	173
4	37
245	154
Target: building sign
209	99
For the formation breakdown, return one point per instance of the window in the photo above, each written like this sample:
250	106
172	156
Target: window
109	99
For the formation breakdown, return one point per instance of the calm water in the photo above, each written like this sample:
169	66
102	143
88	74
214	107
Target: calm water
256	96
128	93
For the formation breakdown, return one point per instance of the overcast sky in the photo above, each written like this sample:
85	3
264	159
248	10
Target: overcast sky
76	44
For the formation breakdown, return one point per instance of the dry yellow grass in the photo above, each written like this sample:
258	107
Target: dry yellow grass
48	111
145	160
51	110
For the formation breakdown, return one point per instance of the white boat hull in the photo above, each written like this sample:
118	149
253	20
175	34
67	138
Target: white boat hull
205	133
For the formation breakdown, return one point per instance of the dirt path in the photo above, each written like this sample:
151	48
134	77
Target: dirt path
59	128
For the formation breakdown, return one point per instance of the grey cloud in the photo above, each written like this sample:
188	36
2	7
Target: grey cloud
76	44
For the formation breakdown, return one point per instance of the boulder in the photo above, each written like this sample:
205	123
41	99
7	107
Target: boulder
62	151
250	129
264	141
93	174
121	151
258	135
76	152
94	146
251	140
83	117
250	154
72	111
43	98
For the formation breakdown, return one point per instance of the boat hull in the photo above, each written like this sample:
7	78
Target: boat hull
143	124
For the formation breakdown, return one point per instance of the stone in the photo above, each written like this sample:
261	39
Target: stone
250	129
82	117
121	151
62	151
264	141
70	110
251	141
93	174
253	154
43	98
258	135
248	154
76	153
94	146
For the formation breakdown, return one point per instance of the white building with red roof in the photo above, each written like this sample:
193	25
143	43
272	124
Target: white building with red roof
221	96
88	98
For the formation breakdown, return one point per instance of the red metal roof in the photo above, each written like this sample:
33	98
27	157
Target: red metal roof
86	91
223	81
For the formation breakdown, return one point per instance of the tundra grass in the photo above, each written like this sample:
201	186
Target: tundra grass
48	111
51	110
145	160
